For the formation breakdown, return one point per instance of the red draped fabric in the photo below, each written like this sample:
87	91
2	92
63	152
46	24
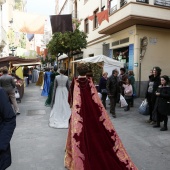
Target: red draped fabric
91	17
92	142
101	16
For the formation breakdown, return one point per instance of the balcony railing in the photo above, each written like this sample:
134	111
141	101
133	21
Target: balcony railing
123	2
3	38
143	1
162	3
112	10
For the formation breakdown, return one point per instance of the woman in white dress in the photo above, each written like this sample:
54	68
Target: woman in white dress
61	111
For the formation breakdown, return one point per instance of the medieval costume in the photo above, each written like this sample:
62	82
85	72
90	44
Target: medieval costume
60	112
53	75
35	75
92	142
47	81
40	79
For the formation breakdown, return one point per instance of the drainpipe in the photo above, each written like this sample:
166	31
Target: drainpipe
140	70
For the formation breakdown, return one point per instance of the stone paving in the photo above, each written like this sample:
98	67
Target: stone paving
36	146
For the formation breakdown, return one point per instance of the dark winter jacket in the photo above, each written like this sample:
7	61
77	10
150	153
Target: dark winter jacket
102	84
7	126
162	103
112	86
156	82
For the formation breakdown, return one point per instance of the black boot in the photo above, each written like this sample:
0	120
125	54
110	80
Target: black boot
165	128
157	125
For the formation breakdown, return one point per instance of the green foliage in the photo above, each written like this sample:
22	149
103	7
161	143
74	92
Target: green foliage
18	4
96	70
48	59
68	41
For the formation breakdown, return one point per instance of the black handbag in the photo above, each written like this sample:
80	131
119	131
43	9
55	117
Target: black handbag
103	91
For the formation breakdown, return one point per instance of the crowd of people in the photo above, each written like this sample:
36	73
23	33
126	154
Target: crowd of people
69	109
116	85
158	97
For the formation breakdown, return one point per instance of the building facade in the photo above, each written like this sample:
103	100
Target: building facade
3	38
137	34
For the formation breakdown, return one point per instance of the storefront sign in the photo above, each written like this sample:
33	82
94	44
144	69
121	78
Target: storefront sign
135	64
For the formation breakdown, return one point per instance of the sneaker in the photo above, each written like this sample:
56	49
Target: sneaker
126	109
18	113
152	123
114	116
148	121
164	129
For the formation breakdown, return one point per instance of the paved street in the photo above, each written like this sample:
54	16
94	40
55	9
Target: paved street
35	146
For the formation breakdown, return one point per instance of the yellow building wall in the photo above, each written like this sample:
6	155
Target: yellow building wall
157	52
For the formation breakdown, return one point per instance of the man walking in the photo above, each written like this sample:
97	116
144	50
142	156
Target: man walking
7	126
8	84
112	91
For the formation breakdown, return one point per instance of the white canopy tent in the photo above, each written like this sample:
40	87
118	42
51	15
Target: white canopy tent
109	63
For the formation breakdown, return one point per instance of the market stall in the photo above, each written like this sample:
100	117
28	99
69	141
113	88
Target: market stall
108	65
14	64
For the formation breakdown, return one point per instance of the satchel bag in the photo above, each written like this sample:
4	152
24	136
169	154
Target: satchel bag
144	108
103	91
123	102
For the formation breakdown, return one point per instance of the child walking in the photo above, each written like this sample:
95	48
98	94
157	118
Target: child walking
128	91
162	105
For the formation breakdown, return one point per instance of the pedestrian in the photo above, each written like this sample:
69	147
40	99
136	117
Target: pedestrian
92	142
35	75
26	73
131	77
47	81
154	82
128	92
52	77
162	105
102	88
113	90
8	84
122	79
7	126
60	112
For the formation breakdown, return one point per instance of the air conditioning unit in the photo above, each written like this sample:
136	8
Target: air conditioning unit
2	2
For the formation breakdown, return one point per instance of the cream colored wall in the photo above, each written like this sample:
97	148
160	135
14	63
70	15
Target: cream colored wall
139	9
157	54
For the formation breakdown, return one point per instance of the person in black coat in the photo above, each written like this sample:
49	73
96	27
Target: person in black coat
154	82
113	89
161	106
7	126
102	88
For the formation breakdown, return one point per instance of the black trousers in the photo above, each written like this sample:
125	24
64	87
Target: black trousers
151	103
112	104
104	96
161	118
129	100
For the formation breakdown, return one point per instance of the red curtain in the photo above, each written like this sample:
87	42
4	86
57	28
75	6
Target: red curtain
101	16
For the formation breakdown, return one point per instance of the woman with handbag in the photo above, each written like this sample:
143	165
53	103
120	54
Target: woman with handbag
128	91
154	82
162	108
102	88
